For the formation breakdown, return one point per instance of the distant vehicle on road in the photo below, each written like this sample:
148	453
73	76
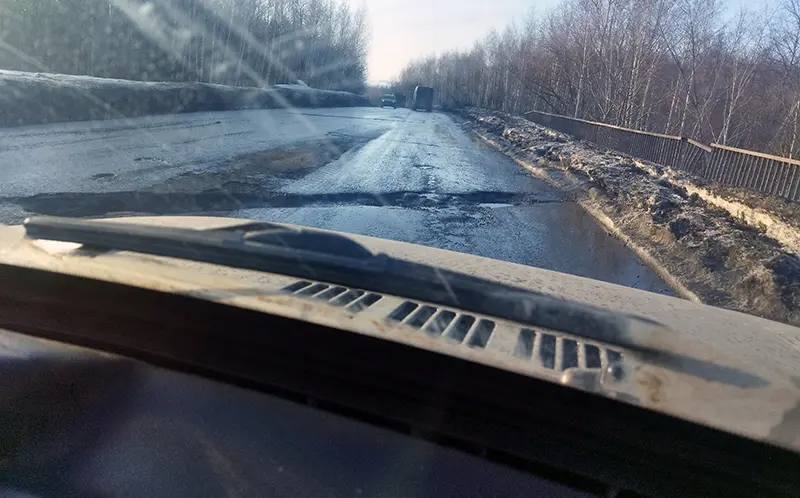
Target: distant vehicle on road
423	98
389	100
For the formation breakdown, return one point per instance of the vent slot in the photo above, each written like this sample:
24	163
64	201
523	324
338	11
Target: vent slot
592	354
524	347
312	290
559	353
569	353
355	300
440	322
363	302
421	316
445	323
330	293
480	336
401	312
347	297
547	350
460	327
300	284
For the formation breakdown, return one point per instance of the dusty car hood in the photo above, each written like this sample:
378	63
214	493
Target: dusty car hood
757	346
757	342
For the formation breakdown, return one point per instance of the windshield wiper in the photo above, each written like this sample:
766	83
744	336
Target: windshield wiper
255	246
329	257
337	259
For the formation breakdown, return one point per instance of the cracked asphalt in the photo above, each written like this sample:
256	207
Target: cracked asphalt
391	173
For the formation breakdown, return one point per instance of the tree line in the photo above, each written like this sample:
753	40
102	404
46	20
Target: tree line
231	42
681	67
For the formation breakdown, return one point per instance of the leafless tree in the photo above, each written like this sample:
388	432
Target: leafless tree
683	67
234	42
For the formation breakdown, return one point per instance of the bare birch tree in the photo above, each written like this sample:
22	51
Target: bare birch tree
682	67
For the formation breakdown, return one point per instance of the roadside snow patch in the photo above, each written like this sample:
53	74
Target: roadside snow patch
784	230
38	98
704	249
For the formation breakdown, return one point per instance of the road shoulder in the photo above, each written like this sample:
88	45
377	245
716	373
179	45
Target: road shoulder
699	249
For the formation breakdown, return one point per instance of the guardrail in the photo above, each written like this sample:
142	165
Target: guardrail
766	173
695	158
773	175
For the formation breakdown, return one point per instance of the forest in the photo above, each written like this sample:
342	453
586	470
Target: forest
692	68
231	42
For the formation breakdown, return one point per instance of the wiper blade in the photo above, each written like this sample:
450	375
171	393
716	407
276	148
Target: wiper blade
255	246
336	259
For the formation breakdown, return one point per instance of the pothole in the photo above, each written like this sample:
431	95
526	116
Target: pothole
236	195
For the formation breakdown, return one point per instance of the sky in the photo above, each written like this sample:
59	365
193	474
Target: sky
403	30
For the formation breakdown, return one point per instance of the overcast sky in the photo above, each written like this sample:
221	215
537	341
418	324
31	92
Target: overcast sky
403	30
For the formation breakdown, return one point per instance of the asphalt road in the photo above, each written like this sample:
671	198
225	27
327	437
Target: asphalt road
395	174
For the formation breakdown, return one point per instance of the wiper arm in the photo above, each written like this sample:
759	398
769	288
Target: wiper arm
254	246
336	259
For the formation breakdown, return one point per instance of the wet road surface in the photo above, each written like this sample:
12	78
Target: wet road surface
395	174
130	154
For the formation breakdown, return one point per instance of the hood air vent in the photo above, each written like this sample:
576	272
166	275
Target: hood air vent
458	327
352	300
559	353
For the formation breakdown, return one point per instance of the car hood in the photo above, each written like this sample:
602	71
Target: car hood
762	348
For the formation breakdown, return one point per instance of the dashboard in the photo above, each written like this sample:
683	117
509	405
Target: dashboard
115	390
78	422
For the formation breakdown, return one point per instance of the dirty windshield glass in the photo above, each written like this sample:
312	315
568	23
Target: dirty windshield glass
653	144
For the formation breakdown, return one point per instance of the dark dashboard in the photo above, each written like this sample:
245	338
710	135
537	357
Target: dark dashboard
80	423
114	390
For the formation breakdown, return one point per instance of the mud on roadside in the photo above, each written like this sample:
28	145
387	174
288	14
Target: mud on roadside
705	248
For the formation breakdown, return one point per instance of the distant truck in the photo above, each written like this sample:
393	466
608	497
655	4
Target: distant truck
423	98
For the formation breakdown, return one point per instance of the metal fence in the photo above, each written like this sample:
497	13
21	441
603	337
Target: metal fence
772	175
695	158
769	174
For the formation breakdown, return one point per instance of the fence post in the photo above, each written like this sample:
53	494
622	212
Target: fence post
791	182
773	177
751	176
786	179
737	161
712	162
716	158
680	156
794	188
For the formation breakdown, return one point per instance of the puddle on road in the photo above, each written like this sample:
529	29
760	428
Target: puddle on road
494	205
559	237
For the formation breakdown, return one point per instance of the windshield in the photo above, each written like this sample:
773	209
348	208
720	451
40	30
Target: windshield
649	144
